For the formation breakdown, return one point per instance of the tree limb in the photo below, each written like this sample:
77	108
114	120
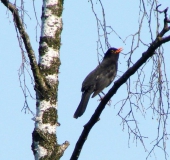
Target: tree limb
17	20
145	56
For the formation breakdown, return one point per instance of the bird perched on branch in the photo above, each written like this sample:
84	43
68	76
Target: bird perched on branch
101	77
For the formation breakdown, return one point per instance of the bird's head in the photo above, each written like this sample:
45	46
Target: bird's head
113	52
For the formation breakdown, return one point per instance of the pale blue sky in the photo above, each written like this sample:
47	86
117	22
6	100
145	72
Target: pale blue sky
106	140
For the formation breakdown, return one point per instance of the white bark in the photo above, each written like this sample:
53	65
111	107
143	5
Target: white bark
51	23
43	106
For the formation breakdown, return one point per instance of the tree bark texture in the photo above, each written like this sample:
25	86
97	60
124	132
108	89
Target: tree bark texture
44	144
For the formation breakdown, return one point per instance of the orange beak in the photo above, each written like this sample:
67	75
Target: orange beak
119	50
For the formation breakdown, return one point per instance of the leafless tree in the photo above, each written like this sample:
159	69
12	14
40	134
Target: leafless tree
156	89
45	75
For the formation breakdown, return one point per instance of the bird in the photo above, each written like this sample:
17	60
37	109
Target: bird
100	78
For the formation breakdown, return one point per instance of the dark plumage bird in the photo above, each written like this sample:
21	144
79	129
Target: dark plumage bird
101	77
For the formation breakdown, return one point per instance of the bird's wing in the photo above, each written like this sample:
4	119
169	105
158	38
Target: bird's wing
104	78
89	82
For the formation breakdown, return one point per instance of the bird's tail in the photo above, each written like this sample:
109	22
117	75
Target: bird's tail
83	104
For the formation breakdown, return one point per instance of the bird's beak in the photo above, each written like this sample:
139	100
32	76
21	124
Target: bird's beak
119	50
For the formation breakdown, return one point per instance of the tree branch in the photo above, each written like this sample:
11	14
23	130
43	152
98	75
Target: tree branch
145	56
17	20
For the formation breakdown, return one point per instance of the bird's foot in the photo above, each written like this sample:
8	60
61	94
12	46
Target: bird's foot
101	98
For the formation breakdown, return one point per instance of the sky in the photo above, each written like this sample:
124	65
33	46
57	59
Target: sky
107	140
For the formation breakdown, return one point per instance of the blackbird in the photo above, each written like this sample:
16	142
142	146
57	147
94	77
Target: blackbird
101	77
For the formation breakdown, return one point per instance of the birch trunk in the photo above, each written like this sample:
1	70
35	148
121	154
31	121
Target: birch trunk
44	144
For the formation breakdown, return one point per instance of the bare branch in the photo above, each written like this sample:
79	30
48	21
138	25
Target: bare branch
62	148
165	10
17	20
145	56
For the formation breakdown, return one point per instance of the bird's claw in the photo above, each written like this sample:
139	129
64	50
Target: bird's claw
109	102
